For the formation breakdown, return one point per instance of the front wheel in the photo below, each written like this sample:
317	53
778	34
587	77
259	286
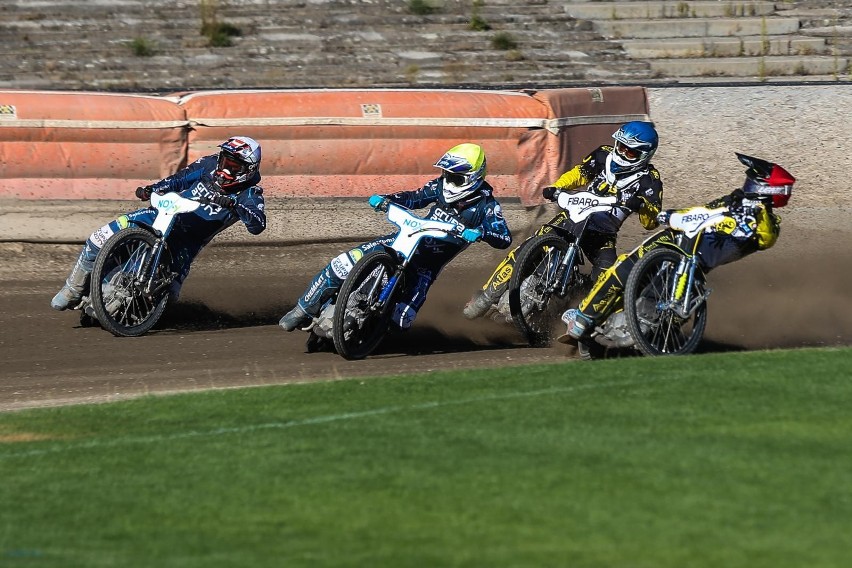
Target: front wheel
655	324
533	299
360	320
119	297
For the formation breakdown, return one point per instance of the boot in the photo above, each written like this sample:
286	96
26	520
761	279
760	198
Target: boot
76	286
297	317
478	305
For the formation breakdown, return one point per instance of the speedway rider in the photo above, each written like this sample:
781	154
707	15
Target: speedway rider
750	225
460	195
226	184
623	169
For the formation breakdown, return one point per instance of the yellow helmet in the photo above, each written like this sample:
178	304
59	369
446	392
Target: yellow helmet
463	171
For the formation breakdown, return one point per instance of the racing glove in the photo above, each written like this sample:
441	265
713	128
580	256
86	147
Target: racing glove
471	235
144	192
549	192
223	201
663	216
378	202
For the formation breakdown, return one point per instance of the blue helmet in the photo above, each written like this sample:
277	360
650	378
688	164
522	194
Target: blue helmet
635	144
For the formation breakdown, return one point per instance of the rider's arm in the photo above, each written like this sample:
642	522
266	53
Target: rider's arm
767	229
418	198
495	230
186	177
250	209
650	195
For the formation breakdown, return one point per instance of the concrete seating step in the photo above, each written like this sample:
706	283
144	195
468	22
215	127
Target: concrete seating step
758	67
667	9
697	27
723	46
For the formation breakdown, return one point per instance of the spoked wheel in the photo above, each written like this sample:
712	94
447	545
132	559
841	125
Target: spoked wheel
360	323
655	326
534	306
119	299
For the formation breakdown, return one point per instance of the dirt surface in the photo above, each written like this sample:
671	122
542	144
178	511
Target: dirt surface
223	332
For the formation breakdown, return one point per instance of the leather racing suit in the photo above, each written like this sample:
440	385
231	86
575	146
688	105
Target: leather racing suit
749	226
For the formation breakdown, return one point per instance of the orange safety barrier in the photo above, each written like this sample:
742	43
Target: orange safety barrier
64	145
316	143
360	142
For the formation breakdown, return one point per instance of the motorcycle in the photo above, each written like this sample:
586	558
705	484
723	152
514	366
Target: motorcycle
665	296
547	275
133	272
359	317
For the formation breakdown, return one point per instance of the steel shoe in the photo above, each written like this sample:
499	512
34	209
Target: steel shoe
67	298
295	318
477	306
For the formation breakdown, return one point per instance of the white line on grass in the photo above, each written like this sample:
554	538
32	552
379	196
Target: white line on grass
319	419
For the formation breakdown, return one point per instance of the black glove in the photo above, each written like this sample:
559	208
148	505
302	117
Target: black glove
634	203
144	193
549	192
223	201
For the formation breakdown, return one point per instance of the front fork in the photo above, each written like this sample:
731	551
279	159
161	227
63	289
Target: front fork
680	295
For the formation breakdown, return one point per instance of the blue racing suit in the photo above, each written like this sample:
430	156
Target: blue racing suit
193	230
479	211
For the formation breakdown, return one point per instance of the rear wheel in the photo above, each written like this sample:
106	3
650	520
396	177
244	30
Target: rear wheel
655	326
534	306
119	299
360	323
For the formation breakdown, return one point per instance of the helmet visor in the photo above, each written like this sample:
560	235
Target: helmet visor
229	169
457	180
626	152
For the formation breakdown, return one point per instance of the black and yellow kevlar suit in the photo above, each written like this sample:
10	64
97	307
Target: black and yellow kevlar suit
749	226
640	192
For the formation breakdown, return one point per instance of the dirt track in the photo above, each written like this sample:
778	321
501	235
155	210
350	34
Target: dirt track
223	332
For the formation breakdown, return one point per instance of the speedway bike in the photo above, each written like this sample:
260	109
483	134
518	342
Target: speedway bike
547	276
665	296
134	271
360	316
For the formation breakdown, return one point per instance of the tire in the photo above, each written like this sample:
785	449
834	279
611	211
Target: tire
656	330
534	309
359	326
120	303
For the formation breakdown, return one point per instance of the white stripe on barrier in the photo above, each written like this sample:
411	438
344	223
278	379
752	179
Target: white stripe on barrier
551	125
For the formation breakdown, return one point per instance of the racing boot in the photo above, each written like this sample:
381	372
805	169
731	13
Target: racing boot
75	288
579	325
295	318
478	305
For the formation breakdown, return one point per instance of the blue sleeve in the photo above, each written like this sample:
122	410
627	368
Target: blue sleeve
495	230
187	177
418	198
250	209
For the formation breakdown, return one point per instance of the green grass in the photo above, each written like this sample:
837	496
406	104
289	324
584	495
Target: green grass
718	460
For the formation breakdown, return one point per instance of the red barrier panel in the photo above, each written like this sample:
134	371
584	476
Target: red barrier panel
86	145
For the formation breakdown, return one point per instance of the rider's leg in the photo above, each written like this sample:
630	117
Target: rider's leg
495	286
405	311
325	285
498	283
77	284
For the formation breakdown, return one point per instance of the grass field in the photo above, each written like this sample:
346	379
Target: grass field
723	460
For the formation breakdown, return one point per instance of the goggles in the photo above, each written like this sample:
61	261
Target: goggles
626	152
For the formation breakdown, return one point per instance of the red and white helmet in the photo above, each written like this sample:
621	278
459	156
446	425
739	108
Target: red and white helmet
239	160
